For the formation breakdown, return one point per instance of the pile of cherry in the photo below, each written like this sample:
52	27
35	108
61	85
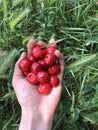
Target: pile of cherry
41	68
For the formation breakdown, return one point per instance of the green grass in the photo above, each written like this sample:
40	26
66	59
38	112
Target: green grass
74	21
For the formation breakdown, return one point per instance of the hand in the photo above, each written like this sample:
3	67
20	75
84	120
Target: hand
29	98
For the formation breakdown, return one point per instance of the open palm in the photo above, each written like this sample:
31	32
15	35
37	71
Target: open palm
27	94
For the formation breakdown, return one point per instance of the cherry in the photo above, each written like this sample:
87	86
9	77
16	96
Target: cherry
54	69
43	77
44	89
42	62
54	81
35	49
50	49
32	59
44	52
24	64
36	67
50	59
37	52
32	78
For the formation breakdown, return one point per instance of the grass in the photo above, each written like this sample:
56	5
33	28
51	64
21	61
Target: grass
74	21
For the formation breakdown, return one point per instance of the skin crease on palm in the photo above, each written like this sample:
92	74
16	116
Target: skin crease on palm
27	94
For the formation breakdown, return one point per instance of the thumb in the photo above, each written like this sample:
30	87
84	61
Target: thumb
17	71
61	61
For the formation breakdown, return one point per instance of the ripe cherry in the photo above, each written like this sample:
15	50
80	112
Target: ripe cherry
54	69
32	59
50	59
50	49
42	62
54	81
43	77
44	52
24	64
37	52
32	78
44	89
36	67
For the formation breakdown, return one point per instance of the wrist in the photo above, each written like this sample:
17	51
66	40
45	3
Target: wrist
32	120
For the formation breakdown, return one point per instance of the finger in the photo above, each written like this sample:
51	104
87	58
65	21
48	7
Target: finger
17	71
41	43
61	60
30	44
53	43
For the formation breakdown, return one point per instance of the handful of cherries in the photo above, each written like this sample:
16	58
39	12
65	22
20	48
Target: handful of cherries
41	68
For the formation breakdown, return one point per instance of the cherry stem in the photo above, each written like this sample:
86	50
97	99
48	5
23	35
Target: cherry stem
58	41
46	45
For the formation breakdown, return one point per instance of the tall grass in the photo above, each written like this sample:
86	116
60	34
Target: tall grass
74	21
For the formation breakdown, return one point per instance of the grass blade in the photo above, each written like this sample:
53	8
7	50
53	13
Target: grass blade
6	64
7	123
53	1
16	2
16	20
4	8
82	61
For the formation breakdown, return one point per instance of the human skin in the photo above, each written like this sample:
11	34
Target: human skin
37	110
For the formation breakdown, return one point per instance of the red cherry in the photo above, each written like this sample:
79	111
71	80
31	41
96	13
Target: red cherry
44	52
43	77
54	81
50	59
36	67
54	69
42	62
34	49
37	52
32	78
24	64
32	59
44	89
51	49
